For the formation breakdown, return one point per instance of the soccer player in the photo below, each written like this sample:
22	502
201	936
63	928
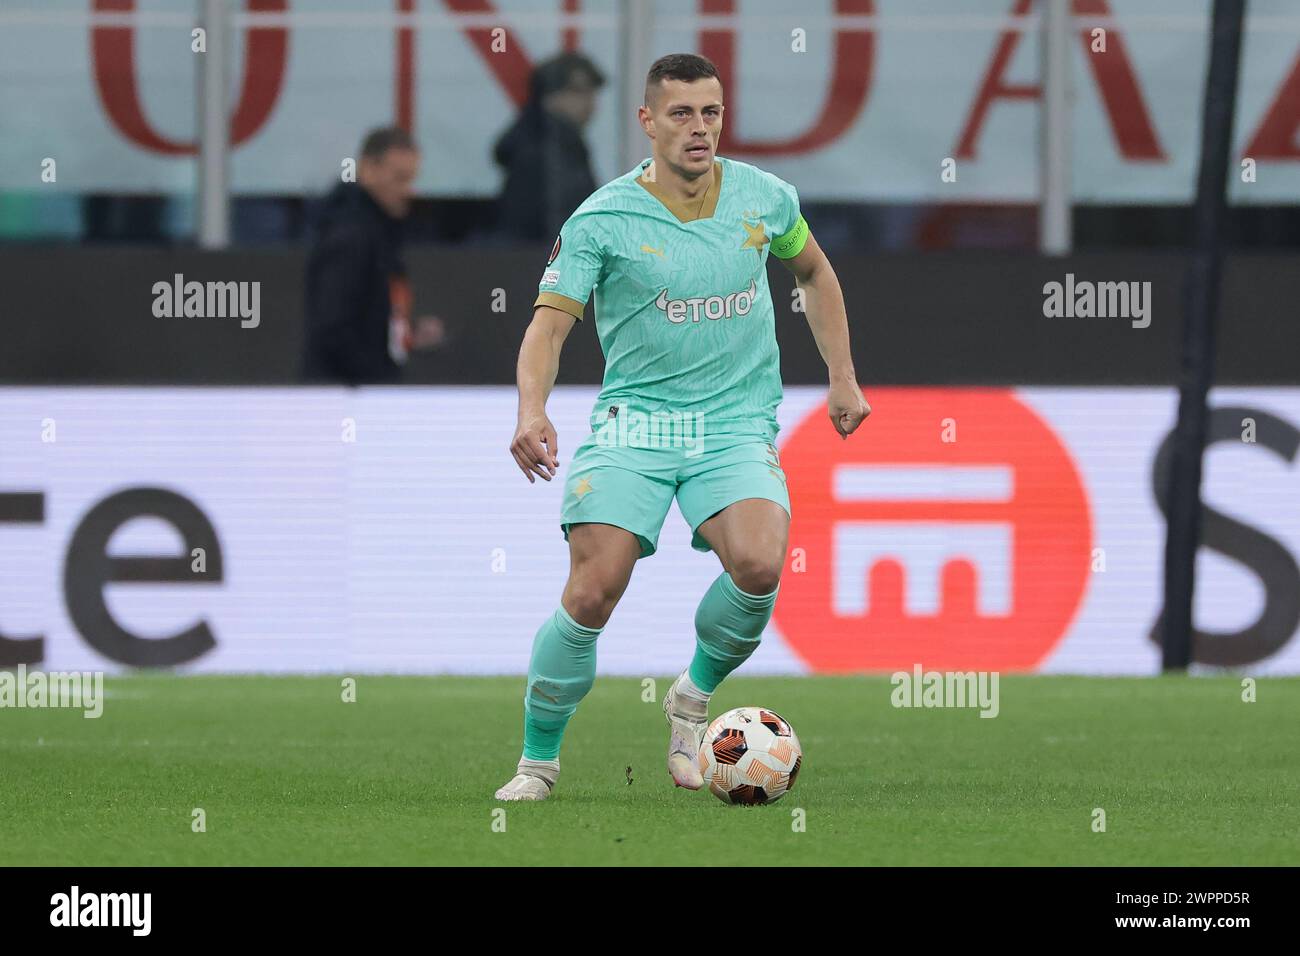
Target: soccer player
676	252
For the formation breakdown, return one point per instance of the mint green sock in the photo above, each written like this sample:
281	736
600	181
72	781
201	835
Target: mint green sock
561	671
728	626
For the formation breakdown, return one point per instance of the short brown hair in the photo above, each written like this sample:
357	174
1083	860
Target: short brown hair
380	141
687	67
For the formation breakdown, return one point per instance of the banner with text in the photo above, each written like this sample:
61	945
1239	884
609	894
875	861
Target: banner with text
389	530
871	100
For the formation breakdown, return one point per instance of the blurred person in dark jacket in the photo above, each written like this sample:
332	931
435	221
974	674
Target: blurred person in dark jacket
548	169
358	297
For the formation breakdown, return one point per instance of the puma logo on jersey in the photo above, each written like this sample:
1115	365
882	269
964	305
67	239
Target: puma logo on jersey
652	249
712	307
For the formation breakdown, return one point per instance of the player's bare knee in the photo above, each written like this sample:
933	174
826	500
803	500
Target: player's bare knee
755	573
590	602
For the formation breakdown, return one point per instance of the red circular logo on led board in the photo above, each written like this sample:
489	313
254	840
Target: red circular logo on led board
951	530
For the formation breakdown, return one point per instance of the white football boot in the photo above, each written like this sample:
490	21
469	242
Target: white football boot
688	719
534	780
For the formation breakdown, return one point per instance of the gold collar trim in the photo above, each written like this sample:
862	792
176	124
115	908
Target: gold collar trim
691	209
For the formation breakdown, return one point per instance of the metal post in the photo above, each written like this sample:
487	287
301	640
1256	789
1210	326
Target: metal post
1202	291
634	62
214	147
1054	220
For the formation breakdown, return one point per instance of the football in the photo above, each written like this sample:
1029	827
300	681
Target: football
750	756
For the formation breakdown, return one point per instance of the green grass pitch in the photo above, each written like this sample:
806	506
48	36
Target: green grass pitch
288	774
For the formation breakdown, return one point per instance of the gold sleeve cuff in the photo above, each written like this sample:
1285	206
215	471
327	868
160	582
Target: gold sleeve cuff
561	302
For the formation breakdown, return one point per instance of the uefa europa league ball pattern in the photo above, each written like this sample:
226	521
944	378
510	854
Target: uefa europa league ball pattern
750	756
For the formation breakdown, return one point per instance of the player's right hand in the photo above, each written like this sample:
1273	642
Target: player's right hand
536	448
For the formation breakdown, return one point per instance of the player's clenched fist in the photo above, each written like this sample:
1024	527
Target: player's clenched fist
848	409
535	447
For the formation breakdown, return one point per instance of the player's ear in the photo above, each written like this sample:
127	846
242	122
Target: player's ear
646	120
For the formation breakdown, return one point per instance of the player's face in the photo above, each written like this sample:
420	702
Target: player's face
390	179
685	122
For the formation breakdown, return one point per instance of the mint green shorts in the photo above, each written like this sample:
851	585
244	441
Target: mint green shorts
612	482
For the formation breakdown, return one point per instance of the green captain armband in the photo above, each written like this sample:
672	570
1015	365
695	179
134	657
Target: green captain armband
792	243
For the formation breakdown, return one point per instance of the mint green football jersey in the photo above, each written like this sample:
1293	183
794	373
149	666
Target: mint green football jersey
683	308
